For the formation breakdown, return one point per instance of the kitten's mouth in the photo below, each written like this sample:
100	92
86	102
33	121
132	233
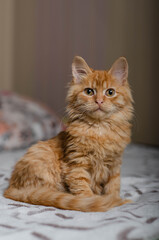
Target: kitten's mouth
99	109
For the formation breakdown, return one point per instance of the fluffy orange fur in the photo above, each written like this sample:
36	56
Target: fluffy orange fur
79	169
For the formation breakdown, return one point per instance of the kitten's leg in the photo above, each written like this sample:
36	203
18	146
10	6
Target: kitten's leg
113	183
38	167
113	186
78	181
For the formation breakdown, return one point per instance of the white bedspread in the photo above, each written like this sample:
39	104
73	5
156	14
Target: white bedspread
137	221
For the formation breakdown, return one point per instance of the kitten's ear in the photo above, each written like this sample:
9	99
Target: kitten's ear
80	69
119	70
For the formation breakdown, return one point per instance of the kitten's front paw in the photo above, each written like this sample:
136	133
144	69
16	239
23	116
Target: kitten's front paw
125	201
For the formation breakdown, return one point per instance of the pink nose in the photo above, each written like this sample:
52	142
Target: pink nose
99	101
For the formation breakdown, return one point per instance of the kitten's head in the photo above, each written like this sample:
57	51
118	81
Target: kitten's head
97	94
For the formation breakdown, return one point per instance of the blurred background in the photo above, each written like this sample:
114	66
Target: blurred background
38	40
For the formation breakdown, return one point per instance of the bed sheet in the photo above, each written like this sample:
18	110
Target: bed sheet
136	221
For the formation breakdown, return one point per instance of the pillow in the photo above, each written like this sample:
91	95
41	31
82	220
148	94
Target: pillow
24	122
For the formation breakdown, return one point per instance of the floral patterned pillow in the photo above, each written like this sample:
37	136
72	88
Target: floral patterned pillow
24	122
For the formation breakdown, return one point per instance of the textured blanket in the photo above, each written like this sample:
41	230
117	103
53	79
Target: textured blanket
136	221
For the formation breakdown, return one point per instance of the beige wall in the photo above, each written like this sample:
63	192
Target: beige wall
47	34
6	43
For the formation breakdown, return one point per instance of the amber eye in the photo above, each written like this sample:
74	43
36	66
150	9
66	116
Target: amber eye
110	92
89	91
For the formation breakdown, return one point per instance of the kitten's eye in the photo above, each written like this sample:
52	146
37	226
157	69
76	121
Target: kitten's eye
110	92
89	91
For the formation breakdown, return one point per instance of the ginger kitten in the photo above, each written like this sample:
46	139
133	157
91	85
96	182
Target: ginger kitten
79	169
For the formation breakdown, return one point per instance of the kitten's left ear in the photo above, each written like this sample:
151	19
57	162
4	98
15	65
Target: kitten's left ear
119	70
80	69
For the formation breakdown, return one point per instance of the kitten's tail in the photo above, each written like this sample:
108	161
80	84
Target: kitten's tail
47	197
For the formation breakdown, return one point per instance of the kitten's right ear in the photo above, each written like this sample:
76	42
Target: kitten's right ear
80	69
